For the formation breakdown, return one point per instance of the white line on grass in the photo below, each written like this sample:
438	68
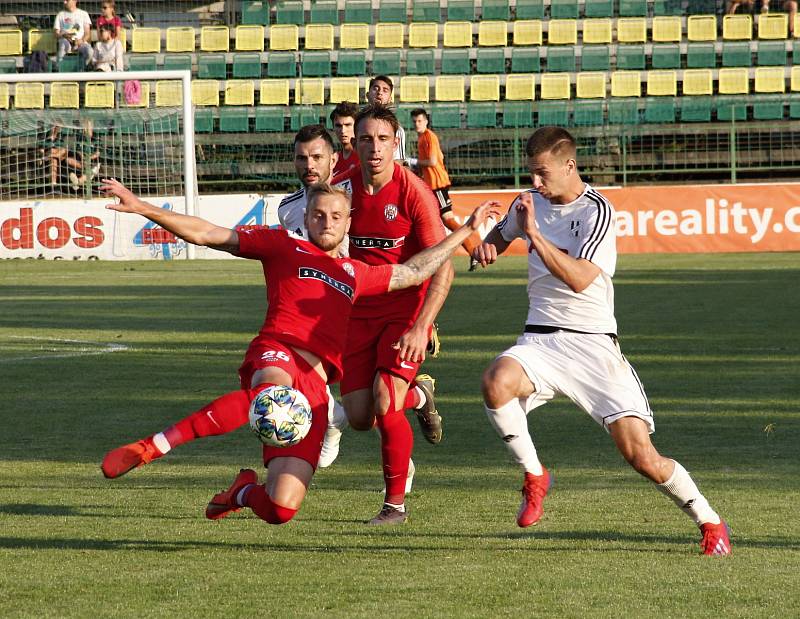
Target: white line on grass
80	352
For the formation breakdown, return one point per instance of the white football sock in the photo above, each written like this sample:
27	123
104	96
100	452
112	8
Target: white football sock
400	508
337	417
511	424
684	492
161	442
241	494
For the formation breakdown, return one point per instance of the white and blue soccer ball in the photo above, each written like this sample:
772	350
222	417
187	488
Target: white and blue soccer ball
280	416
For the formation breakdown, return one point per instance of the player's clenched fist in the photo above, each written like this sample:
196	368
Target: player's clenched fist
485	254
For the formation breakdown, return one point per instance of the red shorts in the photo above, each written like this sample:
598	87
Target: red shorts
264	353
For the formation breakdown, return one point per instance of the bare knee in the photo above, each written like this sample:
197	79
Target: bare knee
501	383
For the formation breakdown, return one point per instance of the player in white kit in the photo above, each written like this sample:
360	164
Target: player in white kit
570	345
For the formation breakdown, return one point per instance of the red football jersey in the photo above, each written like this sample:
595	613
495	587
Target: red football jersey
390	227
310	295
343	166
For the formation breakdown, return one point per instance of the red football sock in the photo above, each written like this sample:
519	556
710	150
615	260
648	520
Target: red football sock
397	442
412	396
265	508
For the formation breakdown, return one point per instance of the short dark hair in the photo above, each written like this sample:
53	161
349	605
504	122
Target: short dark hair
420	112
381	78
343	110
555	140
377	112
108	27
309	133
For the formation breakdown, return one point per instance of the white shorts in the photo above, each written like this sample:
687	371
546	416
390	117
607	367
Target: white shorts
589	369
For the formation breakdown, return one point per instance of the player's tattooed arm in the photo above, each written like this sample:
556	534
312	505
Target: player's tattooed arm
191	229
423	265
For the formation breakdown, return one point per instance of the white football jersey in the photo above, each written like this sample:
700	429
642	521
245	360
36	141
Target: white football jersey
292	215
586	229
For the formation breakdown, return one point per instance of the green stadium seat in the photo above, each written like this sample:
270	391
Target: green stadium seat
560	59
177	62
351	63
659	110
142	62
246	66
427	10
518	114
446	115
404	114
204	120
633	8
270	118
598	8
128	121
358	12
420	62
325	12
731	108
667	7
701	56
8	65
696	109
70	64
393	11
794	107
563	9
736	54
630	57
553	113
795	53
289	12
530	9
702	7
525	60
771	53
623	111
386	62
316	64
461	10
588	113
255	13
768	107
496	10
281	64
666	56
491	60
455	62
481	115
234	120
595	58
301	115
211	67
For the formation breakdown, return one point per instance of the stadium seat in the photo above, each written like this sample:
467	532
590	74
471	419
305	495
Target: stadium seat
351	63
667	29
794	81
42	40
316	64
215	38
632	30
794	107
563	9
319	36
668	7
491	60
633	8
234	120
595	58
345	89
169	93
518	114
354	36
177	62
597	8
484	88
300	116
701	28
205	92
697	82
65	95
696	109
590	85
281	64
325	12
588	113
249	38
623	111
553	113
736	55
70	64
284	37
146	40
769	79
561	59
492	33
144	98
426	11
737	27
274	92
630	57
415	89
555	86
733	81
773	26
481	115
246	66
392	11
666	56
662	83
701	56
527	32
29	96
768	108
211	66
386	62
204	121
771	53
460	10
8	66
520	88
143	62
626	84
180	39
525	60
597	31
358	12
289	12
270	118
10	42
389	35
530	9
496	10
562	32
255	12
309	91
457	34
446	115
423	34
659	110
420	62
449	88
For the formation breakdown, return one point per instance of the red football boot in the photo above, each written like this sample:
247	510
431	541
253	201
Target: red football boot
716	539
119	461
533	492
225	502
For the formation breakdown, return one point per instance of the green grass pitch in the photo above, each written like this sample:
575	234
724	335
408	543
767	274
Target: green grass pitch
93	355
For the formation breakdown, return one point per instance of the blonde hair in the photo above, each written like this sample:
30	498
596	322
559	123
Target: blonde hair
313	192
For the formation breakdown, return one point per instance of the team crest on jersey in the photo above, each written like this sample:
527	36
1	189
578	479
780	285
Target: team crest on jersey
390	212
312	273
348	268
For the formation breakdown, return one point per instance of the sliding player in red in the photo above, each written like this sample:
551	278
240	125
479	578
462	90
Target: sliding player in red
310	293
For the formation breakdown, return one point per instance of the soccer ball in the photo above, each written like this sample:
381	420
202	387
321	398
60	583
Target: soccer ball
280	416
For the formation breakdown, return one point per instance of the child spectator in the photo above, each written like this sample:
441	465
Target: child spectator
109	16
108	55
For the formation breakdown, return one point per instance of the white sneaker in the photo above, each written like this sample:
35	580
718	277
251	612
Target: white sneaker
409	478
337	421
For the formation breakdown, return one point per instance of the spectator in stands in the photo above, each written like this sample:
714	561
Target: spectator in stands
343	118
109	16
73	29
108	55
380	93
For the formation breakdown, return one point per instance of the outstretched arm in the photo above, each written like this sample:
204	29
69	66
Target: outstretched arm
191	229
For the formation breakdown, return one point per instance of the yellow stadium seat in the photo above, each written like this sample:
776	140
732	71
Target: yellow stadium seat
144	99
249	38
484	88
626	84
590	85
597	30
449	88
697	82
239	92
215	39
345	89
457	34
667	29
555	86
65	95
309	91
632	30
662	83
520	87
123	38
29	95
527	32
10	42
99	95
796	29
773	26
414	89
284	37
733	81
795	81
354	36
389	35
4	96
701	27
562	32
319	36
737	27
274	92
169	93
205	92
423	34
180	39
42	41
492	33
770	79
146	40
